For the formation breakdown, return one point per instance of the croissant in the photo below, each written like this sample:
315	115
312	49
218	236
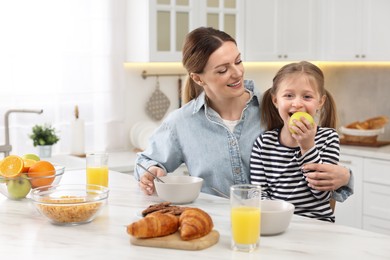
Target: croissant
194	223
154	225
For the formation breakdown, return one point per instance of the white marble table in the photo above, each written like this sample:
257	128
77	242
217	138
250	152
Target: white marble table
24	234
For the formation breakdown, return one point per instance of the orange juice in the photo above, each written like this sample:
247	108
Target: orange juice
97	175
245	224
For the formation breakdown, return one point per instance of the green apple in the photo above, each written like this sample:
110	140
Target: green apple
31	156
19	187
297	116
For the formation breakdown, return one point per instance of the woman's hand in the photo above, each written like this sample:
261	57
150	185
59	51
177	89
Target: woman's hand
326	177
146	181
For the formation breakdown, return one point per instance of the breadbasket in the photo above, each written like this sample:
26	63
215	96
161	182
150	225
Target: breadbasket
361	136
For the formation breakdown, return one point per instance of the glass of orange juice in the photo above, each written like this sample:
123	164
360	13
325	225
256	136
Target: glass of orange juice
245	202
97	169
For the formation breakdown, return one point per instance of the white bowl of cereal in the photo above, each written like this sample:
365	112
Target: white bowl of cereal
70	204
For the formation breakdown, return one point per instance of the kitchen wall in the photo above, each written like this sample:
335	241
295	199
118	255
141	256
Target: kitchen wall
139	90
360	90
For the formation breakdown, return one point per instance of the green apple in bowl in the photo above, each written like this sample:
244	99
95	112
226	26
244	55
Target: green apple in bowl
297	116
19	187
31	156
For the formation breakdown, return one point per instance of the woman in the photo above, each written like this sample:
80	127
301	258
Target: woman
214	132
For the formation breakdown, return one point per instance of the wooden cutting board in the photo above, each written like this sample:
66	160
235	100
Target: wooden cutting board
175	242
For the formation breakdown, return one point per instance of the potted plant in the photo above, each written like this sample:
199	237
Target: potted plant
44	136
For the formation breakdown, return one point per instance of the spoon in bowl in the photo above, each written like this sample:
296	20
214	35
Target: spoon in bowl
154	175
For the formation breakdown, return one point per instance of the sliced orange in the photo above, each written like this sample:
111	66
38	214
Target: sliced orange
11	166
27	164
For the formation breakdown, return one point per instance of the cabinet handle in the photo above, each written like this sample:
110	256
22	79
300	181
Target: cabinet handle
357	56
279	56
345	161
363	56
285	56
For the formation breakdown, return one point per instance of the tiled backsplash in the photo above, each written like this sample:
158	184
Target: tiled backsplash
360	92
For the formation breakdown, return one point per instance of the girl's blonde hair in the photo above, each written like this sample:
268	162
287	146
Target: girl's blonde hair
270	117
198	46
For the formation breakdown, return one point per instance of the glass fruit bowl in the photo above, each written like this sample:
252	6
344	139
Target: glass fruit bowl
70	204
19	187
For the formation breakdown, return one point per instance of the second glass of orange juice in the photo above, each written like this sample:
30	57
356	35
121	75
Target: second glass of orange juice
245	201
97	169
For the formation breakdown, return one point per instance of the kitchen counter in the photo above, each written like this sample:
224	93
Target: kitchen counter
121	161
27	235
364	151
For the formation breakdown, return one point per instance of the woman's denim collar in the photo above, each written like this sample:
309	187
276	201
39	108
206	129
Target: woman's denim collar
200	101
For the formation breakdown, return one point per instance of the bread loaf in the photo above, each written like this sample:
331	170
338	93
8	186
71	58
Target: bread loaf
194	223
371	123
154	225
377	122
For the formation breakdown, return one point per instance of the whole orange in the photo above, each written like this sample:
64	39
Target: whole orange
40	173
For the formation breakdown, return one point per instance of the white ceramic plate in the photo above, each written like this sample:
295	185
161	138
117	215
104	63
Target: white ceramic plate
140	133
147	132
134	133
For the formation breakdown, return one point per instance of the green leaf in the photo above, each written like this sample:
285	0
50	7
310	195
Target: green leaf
44	135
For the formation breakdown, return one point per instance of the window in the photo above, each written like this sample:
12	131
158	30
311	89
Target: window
55	55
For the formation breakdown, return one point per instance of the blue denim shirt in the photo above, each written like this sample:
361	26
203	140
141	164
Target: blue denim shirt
196	135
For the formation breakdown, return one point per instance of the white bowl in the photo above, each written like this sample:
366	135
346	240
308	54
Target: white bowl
360	132
178	189
275	216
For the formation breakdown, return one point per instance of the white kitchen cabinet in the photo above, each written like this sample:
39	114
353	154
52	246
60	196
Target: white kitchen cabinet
279	30
355	30
225	15
376	225
369	207
156	28
350	212
376	209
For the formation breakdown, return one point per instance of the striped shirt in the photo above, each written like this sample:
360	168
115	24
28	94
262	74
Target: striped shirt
277	169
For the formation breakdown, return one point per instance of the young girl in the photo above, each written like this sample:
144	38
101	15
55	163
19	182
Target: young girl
278	156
